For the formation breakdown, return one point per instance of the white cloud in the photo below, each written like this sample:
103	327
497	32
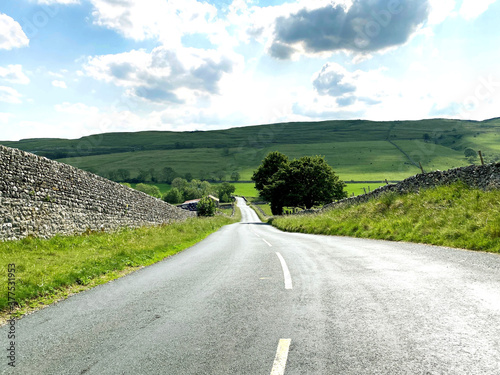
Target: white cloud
10	95
164	75
14	74
163	20
440	10
60	84
472	9
11	33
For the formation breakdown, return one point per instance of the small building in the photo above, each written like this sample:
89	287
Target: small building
192	205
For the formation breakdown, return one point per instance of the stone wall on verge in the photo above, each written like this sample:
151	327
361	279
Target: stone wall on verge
42	198
484	177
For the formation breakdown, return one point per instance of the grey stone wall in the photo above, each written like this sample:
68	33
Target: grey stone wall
484	177
42	198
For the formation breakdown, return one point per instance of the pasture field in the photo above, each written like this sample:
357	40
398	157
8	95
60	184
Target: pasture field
357	150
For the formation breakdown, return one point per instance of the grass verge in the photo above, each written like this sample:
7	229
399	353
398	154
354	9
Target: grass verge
454	216
49	270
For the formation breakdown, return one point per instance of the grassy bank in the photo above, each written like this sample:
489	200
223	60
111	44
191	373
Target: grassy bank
49	270
454	216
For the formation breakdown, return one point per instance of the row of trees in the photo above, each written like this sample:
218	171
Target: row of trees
166	175
305	182
183	190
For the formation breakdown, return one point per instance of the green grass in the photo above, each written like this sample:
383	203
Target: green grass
245	189
454	216
357	188
47	270
357	150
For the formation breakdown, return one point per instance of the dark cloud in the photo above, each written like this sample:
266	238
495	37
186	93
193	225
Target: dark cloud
346	101
367	26
208	75
121	70
281	51
332	81
157	94
204	77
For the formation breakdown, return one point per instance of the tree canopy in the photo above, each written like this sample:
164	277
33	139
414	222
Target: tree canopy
304	182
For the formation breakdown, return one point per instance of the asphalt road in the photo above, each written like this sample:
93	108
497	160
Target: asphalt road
253	300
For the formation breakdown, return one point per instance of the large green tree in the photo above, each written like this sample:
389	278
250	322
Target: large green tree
311	182
304	182
267	181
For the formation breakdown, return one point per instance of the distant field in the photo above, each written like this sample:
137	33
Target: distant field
357	150
245	189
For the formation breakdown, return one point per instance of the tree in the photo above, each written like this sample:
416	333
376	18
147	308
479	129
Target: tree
267	182
224	191
179	183
469	152
154	176
168	175
311	182
188	176
123	174
206	207
174	196
203	174
220	175
143	175
235	176
306	182
149	189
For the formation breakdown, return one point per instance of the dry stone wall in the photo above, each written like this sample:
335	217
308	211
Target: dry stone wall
42	198
484	177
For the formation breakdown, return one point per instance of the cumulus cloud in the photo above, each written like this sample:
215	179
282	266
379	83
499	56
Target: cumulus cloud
14	74
9	95
163	20
472	9
160	76
334	80
60	84
11	33
363	27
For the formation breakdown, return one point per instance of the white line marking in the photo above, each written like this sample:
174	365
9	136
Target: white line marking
267	243
256	234
281	357
286	272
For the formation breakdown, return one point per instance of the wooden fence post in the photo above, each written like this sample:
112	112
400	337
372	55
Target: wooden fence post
481	156
421	168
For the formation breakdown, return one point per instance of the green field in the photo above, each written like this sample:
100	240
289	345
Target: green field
454	216
357	150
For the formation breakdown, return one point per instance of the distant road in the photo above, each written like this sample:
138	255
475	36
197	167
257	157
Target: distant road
253	300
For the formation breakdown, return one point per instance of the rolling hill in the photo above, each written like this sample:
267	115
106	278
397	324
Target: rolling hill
358	150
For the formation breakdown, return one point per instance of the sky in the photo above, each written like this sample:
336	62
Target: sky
70	68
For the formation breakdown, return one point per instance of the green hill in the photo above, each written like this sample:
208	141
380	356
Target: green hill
358	150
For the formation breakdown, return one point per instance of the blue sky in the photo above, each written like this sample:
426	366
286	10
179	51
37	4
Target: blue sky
70	68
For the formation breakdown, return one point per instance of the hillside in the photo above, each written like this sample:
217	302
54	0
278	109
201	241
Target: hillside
358	150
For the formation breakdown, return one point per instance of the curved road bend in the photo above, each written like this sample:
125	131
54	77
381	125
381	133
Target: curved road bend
252	300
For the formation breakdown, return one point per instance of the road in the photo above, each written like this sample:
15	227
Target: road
250	299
